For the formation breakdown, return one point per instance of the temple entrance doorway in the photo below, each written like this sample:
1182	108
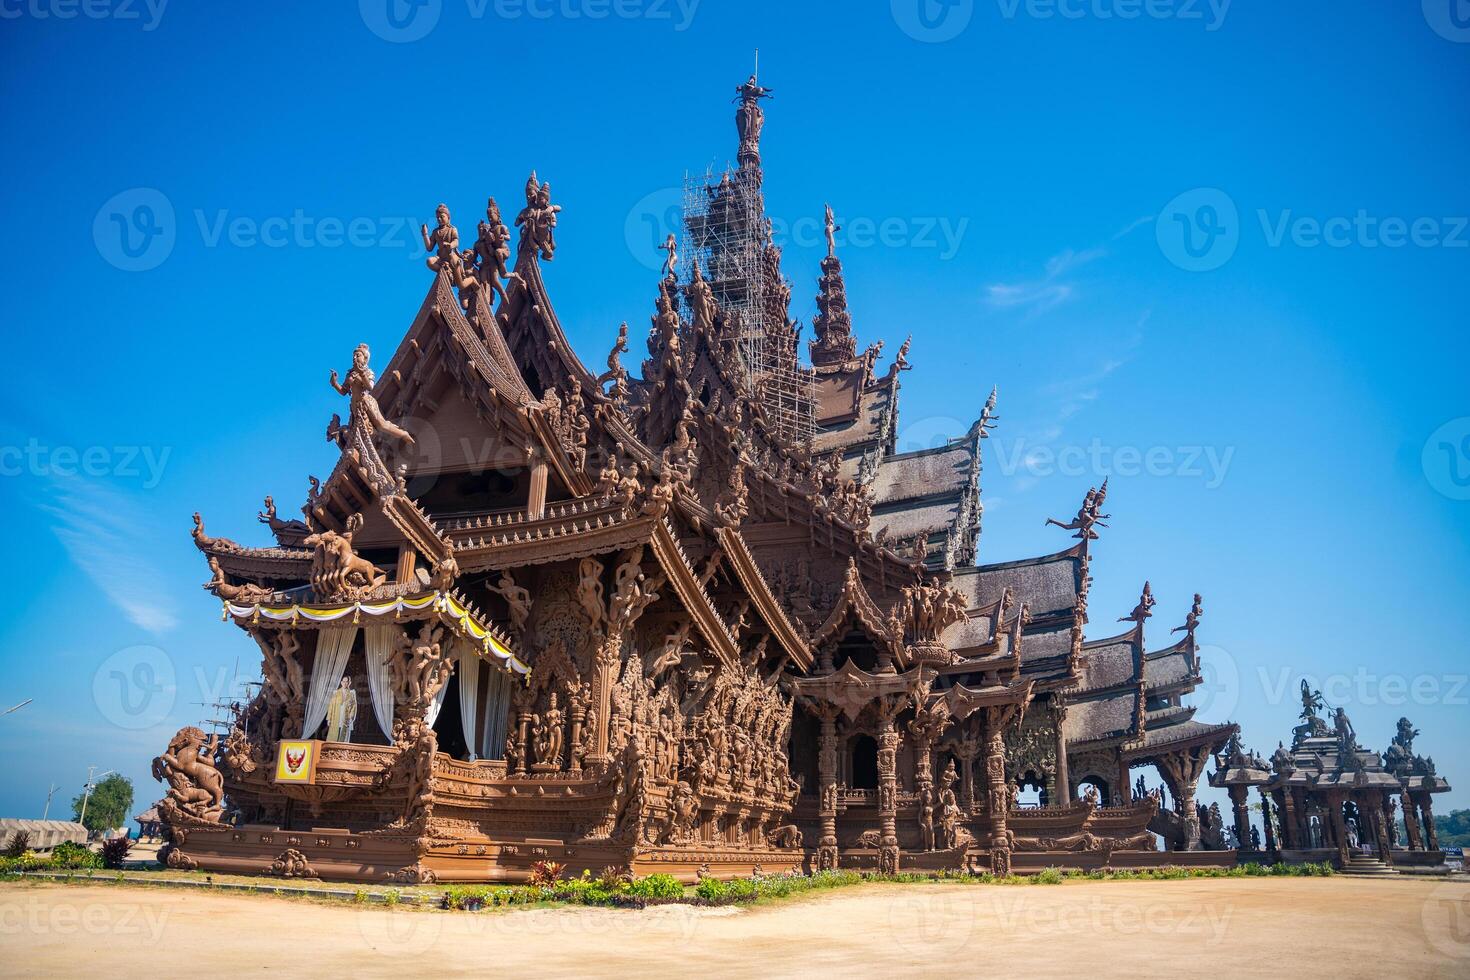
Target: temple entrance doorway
864	763
448	727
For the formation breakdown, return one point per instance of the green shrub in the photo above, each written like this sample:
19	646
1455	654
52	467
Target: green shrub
1047	876
67	855
656	886
18	845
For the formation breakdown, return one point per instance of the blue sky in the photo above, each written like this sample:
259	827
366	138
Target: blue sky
1217	253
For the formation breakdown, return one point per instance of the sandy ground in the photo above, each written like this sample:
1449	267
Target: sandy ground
1234	927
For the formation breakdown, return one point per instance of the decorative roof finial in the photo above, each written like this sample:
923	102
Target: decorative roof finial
749	118
1144	609
671	260
537	220
1191	622
832	228
1089	515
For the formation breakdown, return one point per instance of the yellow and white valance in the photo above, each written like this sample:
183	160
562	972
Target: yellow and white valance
439	602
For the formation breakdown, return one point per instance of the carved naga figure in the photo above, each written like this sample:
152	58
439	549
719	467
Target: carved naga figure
196	788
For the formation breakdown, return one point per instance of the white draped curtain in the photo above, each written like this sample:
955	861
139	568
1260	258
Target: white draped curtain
497	712
469	695
432	715
378	645
332	650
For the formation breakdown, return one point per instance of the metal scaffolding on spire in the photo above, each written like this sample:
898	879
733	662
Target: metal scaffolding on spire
726	232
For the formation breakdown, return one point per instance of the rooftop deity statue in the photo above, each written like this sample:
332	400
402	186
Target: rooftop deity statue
749	118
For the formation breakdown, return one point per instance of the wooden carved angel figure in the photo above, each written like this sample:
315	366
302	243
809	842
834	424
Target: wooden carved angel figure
671	260
546	736
537	219
493	248
443	241
364	407
342	712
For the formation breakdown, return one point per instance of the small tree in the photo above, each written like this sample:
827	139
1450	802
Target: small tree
109	805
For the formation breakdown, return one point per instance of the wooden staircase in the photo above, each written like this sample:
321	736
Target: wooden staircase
1365	865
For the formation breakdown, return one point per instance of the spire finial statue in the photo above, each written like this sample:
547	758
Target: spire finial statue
749	118
832	228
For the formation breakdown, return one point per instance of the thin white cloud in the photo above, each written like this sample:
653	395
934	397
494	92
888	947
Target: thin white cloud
1039	295
106	535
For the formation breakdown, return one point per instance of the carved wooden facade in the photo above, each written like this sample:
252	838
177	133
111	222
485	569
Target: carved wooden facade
700	646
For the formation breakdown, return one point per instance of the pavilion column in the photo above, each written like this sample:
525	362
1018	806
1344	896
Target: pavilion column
1339	827
1123	792
536	505
924	780
1063	794
1290	828
1431	836
1411	822
1390	831
998	794
1184	803
1240	801
1381	830
888	792
827	787
1266	822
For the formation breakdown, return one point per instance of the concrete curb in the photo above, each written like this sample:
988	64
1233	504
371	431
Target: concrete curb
335	894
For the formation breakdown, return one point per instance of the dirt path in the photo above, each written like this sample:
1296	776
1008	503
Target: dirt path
1235	927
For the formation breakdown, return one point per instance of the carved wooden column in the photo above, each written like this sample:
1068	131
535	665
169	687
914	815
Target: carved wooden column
604	676
1431	835
536	505
1240	803
1123	792
1411	822
827	784
1290	821
1187	809
407	558
1339	827
1380	830
887	788
1063	794
998	793
925	728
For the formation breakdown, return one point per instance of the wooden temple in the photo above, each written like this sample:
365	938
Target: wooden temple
703	619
